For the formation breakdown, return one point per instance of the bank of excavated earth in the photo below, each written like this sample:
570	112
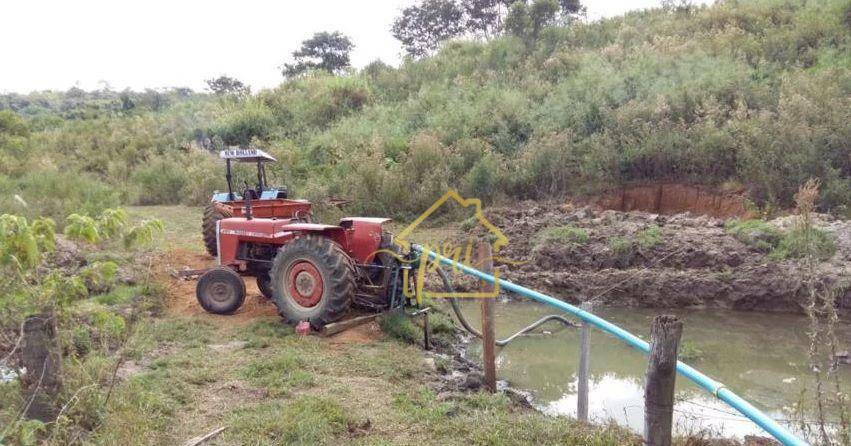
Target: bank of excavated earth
651	260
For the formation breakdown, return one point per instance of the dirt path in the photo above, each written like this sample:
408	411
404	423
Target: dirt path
182	301
235	346
181	292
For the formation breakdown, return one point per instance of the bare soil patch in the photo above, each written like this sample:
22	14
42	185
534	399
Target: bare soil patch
673	198
693	261
181	292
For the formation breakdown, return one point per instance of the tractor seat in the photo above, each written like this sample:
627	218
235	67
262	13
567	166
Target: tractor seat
251	193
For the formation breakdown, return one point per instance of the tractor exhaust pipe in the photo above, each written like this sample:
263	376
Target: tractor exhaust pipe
247	195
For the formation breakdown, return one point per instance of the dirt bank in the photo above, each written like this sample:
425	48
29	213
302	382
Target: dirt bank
673	198
652	260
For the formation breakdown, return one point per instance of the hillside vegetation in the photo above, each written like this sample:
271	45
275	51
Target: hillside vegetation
749	95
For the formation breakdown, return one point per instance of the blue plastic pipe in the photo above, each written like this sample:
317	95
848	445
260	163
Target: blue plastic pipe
710	385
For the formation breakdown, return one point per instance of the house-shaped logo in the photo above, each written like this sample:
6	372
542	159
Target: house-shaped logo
458	254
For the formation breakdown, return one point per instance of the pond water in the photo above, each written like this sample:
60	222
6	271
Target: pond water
7	374
762	357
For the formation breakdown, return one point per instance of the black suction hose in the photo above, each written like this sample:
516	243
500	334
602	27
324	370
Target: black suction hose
447	284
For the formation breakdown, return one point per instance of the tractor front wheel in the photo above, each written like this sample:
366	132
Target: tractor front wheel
312	280
208	228
220	291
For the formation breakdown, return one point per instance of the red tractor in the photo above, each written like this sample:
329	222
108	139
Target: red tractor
313	272
268	201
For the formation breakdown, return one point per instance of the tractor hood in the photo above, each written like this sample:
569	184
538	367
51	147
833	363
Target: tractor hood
256	227
359	237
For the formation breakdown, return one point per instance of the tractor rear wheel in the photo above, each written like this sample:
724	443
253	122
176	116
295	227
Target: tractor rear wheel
313	280
208	228
264	284
220	291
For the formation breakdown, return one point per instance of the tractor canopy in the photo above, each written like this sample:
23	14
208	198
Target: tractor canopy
246	155
262	190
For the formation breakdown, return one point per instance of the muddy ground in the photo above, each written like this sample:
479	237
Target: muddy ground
693	263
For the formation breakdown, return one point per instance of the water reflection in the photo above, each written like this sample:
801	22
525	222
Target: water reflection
762	357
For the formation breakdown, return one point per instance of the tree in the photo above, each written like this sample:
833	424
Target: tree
527	21
422	27
543	13
571	7
324	51
484	17
226	86
518	22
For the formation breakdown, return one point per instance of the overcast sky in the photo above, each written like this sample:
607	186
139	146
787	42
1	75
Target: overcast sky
57	44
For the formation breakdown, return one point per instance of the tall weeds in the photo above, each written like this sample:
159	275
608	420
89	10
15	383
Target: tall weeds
820	307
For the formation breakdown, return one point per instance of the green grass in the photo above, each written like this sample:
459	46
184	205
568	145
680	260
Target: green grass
622	249
278	388
158	333
758	234
410	330
401	327
795	244
799	243
182	225
562	235
279	374
302	421
649	237
265	333
120	294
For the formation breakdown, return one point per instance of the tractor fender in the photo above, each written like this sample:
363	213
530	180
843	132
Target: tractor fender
336	233
363	236
225	209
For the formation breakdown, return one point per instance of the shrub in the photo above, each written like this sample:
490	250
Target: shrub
160	182
755	233
400	327
144	233
83	228
22	244
649	237
623	249
562	235
100	276
110	326
250	119
111	222
804	242
483	178
55	194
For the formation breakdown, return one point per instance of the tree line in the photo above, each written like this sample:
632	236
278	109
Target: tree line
421	28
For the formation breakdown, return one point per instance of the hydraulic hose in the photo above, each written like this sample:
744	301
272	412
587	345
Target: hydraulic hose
456	308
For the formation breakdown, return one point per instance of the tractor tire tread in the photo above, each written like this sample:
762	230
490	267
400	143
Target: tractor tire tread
340	272
220	274
208	228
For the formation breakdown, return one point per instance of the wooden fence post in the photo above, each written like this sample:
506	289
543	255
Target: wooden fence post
584	352
41	358
485	259
665	336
